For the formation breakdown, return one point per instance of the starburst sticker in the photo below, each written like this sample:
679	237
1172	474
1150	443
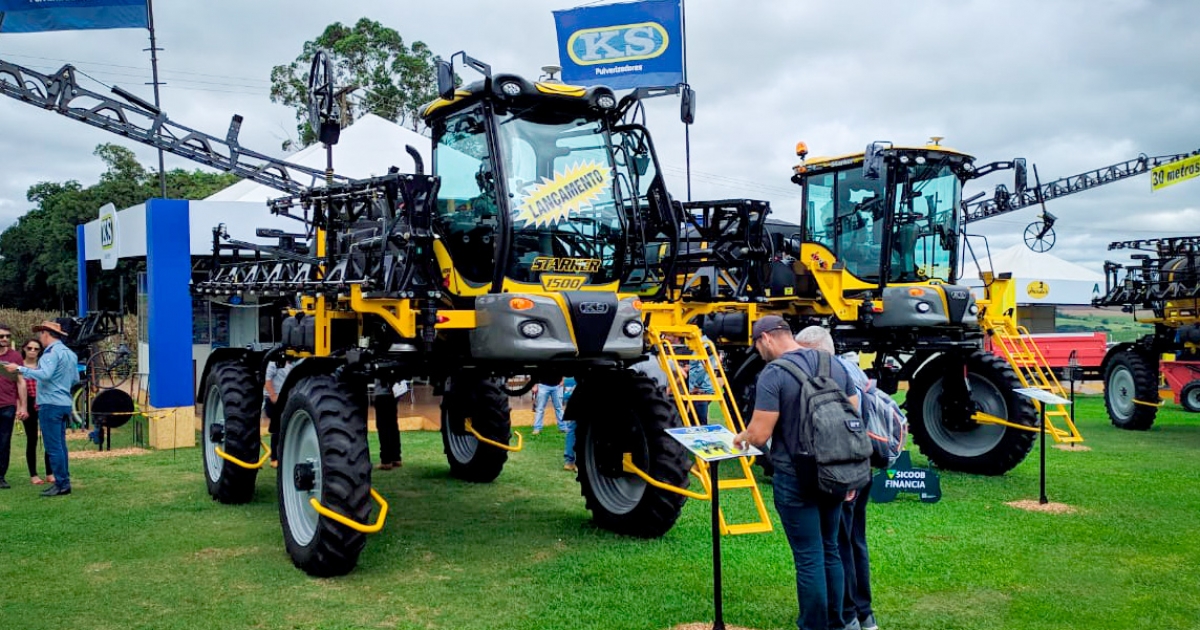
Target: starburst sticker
553	200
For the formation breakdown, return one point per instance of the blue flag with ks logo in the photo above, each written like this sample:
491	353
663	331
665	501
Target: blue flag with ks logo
34	16
635	44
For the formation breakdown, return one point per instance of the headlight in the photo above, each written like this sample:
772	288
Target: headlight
532	329
923	307
632	328
511	88
973	310
606	102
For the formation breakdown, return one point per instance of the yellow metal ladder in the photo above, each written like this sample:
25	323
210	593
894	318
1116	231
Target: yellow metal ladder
676	345
1026	359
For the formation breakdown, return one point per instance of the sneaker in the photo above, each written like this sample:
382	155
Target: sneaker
4	484
55	491
869	623
853	625
537	431
386	466
397	464
571	467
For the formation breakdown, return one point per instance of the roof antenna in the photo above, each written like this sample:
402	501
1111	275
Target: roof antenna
550	71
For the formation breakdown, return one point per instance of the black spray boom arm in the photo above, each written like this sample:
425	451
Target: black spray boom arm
1003	201
134	118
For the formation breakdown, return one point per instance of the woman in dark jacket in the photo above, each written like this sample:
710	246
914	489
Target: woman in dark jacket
30	353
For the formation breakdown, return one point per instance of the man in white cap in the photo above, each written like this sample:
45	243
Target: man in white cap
55	374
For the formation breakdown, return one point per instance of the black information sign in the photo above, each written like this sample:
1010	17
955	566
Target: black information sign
903	478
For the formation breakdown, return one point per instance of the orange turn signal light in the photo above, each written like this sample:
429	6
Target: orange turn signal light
637	304
915	292
520	304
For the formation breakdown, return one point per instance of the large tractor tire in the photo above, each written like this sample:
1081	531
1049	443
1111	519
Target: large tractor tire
745	387
232	407
627	413
484	402
1130	379
323	455
949	438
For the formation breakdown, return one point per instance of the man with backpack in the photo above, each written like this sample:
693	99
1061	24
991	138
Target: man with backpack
806	404
852	539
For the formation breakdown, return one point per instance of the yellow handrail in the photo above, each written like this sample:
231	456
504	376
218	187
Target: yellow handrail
1148	404
230	458
512	449
356	526
628	466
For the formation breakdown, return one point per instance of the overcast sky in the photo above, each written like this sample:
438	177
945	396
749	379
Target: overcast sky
1068	85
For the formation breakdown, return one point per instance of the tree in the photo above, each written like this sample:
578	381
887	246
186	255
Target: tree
38	266
394	80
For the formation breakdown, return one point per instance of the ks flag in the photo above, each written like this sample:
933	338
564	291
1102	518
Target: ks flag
33	16
635	44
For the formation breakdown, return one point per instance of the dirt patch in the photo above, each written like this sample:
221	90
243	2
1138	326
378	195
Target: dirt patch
707	625
1031	505
116	452
213	553
1073	448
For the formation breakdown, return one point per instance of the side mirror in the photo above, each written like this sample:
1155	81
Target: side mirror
445	79
1021	177
687	105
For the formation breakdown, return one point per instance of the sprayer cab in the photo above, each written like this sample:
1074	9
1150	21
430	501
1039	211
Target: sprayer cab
889	217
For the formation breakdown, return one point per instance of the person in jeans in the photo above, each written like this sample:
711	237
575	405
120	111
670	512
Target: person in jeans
12	400
547	388
32	351
699	383
810	518
568	427
852	539
273	380
55	374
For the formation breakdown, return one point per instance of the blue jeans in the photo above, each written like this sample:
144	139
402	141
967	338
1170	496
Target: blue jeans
852	545
569	449
701	410
7	415
554	392
811	524
53	420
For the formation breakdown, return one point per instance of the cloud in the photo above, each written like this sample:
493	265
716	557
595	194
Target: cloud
1069	85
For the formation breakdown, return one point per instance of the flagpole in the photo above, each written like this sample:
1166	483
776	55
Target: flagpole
162	174
687	129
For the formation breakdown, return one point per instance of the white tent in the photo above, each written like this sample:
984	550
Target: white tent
1042	278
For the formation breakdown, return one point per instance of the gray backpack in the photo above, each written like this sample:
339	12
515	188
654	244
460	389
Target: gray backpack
830	432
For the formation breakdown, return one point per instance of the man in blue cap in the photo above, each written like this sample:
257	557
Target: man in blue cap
810	518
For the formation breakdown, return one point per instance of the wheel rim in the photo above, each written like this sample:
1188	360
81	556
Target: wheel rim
1120	392
618	495
300	446
976	441
1192	400
214	416
462	447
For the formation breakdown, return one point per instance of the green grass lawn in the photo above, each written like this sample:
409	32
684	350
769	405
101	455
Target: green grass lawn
1119	326
140	544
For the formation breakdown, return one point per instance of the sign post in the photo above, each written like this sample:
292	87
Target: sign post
1045	398
712	443
110	237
